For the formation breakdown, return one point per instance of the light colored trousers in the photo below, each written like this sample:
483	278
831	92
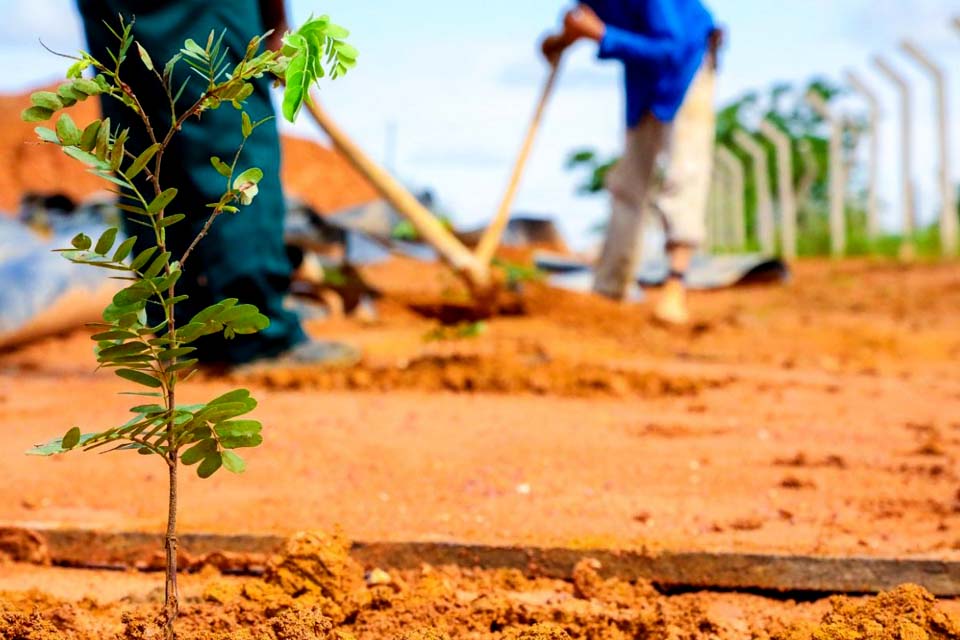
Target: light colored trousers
665	171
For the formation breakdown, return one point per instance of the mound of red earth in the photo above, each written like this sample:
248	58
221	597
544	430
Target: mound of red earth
316	591
317	174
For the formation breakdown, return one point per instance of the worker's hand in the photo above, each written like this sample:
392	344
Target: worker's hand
274	41
583	22
553	47
716	42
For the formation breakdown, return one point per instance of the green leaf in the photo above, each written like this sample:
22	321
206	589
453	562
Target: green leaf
137	292
105	243
246	184
148	409
147	62
103	140
194	330
47	135
55	447
67	130
87	87
139	377
121	350
241	441
81	241
238	313
252	175
346	52
210	465
113	334
221	167
198	452
142	258
336	31
71	439
182	364
246	125
36	114
171	63
161	201
88	139
67	93
116	152
298	82
165	283
213	311
170	220
175	300
237	395
189	46
159	263
138	165
86	158
77	68
232	462
170	354
47	100
124	249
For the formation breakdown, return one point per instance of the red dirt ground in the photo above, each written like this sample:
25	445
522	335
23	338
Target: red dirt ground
315	591
818	417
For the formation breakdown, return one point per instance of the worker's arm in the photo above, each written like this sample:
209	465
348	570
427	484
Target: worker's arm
662	50
274	13
578	23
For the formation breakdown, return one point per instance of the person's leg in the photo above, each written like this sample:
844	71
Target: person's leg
629	184
683	200
243	256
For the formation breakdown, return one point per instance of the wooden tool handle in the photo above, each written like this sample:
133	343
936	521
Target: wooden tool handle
493	234
427	225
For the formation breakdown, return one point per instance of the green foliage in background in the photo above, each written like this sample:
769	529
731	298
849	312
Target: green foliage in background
156	358
516	274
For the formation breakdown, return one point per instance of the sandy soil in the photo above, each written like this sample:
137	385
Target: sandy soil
315	591
818	417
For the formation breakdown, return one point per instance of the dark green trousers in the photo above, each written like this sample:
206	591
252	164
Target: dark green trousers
243	256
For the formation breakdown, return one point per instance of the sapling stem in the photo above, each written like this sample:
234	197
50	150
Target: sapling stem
156	356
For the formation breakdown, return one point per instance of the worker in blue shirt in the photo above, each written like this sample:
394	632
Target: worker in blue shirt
668	49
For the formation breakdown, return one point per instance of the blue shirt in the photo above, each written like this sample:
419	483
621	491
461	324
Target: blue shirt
661	43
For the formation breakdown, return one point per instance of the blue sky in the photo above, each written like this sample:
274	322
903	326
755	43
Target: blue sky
457	82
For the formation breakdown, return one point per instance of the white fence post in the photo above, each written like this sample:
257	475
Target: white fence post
908	202
735	211
948	202
787	197
766	228
838	178
873	162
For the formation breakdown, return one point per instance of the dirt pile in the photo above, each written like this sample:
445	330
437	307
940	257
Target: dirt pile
26	165
33	615
317	567
906	613
297	600
22	545
315	173
488	373
543	631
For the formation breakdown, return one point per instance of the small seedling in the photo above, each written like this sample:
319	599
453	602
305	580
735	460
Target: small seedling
461	331
157	357
517	274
